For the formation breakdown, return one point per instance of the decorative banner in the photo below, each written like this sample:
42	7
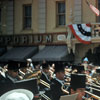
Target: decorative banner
82	32
94	9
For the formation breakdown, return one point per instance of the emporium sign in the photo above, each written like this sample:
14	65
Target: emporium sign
29	39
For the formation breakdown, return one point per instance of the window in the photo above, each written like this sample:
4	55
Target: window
60	13
0	19
27	17
0	15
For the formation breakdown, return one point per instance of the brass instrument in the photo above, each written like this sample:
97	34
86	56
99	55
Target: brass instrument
3	69
94	89
31	75
45	97
2	73
44	83
21	72
93	84
30	71
48	86
93	95
74	71
96	78
97	82
64	90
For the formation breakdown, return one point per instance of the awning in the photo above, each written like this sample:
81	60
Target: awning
19	53
52	53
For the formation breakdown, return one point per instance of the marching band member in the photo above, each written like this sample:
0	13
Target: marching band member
23	69
45	75
96	77
12	73
30	64
58	82
85	63
51	70
77	85
37	65
7	82
45	78
78	69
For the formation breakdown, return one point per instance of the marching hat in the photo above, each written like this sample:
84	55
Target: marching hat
36	63
13	65
59	67
79	68
73	67
45	65
85	59
23	64
78	81
29	60
17	94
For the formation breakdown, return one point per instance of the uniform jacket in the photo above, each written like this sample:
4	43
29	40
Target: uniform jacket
45	78
5	85
56	90
47	90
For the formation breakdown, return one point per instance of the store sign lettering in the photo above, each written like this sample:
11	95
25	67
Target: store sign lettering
25	39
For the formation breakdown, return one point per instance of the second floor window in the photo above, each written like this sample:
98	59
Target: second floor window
60	13
27	17
0	19
0	15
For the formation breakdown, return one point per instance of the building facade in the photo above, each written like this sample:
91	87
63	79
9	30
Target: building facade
43	22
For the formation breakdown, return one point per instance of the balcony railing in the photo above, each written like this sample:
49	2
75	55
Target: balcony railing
95	33
95	30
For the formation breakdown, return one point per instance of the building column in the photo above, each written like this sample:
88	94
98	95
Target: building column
10	17
42	16
3	17
77	11
69	20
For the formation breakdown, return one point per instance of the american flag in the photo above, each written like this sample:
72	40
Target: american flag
94	9
82	32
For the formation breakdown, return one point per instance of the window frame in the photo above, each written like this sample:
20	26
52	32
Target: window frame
1	19
24	17
0	14
58	14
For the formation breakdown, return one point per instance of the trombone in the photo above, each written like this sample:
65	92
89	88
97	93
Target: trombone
64	90
93	84
48	86
93	95
45	83
94	89
45	97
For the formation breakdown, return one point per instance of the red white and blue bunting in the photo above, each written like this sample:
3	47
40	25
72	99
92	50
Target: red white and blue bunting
82	32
